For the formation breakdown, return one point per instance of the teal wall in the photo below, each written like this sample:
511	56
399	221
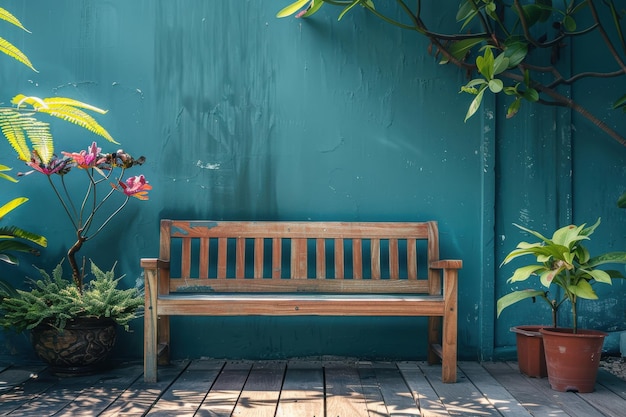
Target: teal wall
244	116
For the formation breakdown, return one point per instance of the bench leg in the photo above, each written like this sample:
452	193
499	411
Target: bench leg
449	331
150	328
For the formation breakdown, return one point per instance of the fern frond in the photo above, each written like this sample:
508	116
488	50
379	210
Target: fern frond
11	50
13	125
8	17
68	110
41	138
80	118
65	101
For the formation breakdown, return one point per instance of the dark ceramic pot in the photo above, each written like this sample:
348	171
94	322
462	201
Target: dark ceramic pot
82	348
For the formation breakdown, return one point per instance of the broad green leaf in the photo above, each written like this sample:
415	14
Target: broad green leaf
475	104
568	234
516	296
569	23
466	9
459	49
621	102
524	272
600	276
292	8
514	108
485	64
516	52
531	95
621	202
583	290
500	64
16	232
607	258
8	207
496	85
314	8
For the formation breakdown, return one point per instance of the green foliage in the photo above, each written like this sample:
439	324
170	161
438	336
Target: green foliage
512	47
563	261
8	48
56	300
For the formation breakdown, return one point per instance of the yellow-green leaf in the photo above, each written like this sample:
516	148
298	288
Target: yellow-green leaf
292	8
11	50
5	209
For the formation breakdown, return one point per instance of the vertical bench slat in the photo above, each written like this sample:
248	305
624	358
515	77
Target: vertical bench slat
339	263
203	272
375	258
277	252
320	258
394	264
259	247
298	258
222	256
185	258
357	259
240	257
411	258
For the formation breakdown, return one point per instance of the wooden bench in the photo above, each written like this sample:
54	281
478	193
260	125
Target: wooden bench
215	268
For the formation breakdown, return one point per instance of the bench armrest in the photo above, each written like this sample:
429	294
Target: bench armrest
447	264
154	263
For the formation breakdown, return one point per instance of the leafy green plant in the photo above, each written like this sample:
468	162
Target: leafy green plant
562	261
56	300
513	48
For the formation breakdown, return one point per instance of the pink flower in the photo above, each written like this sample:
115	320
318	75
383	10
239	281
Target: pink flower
55	166
86	159
136	187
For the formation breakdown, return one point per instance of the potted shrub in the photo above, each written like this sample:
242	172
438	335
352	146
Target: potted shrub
572	354
56	309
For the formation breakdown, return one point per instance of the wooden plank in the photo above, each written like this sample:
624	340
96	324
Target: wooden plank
303	391
185	395
536	399
103	393
137	399
344	393
374	400
461	398
260	395
223	396
398	396
495	393
58	396
430	404
21	384
611	382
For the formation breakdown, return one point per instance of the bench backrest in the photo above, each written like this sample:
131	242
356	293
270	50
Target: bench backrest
325	257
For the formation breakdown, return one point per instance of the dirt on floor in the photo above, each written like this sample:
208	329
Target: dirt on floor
615	365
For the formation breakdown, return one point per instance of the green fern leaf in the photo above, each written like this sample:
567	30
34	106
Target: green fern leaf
11	50
65	101
68	110
8	17
40	137
12	126
78	117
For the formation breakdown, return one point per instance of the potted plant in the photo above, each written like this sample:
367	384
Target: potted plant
572	354
56	307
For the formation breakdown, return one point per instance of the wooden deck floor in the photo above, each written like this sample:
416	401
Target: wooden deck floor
303	388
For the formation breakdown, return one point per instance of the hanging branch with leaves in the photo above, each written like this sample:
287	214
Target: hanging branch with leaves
514	47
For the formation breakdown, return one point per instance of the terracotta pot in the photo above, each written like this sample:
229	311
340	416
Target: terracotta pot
572	359
530	354
80	349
